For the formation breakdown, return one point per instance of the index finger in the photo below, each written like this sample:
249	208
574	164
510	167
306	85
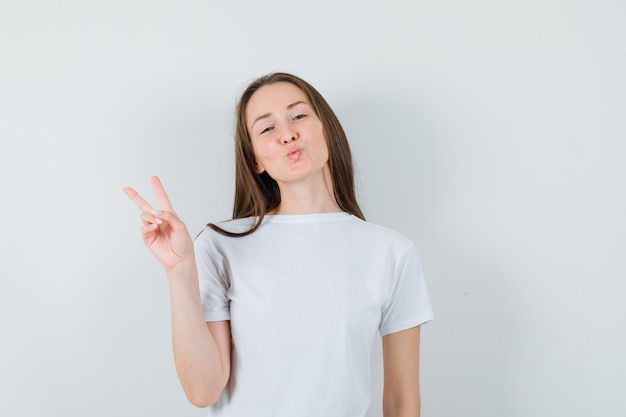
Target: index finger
140	202
164	201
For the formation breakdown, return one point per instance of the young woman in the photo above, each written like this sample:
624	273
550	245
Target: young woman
275	312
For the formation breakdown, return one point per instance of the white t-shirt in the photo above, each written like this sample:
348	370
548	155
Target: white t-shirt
305	296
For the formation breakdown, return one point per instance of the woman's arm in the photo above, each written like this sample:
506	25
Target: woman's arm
201	350
401	394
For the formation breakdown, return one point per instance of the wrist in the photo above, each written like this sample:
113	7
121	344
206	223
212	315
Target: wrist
183	269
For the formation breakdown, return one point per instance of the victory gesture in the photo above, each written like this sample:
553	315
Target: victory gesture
163	232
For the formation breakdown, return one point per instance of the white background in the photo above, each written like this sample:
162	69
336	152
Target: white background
490	132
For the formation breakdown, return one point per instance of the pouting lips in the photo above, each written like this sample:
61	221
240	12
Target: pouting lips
294	153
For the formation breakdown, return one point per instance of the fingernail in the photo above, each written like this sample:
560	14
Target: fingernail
158	221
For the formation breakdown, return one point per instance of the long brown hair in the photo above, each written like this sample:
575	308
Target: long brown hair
256	194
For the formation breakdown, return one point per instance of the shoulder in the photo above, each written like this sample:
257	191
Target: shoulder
384	235
209	238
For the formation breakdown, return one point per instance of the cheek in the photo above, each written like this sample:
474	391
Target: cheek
263	151
321	142
324	145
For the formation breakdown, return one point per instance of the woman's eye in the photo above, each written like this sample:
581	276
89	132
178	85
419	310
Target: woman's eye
300	116
267	129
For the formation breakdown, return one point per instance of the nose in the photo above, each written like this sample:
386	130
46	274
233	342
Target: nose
288	135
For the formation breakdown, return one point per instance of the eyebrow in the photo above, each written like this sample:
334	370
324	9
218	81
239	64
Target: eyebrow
266	115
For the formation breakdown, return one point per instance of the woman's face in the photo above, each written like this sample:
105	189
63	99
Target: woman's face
287	136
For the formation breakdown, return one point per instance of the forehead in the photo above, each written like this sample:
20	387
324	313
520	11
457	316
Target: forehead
273	98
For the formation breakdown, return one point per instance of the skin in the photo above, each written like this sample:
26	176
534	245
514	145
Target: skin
289	143
401	393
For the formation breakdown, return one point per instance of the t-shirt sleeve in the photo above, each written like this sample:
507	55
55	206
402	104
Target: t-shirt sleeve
408	304
213	278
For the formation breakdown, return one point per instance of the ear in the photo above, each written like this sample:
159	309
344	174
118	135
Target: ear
258	168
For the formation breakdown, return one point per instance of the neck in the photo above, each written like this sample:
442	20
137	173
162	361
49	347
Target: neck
308	196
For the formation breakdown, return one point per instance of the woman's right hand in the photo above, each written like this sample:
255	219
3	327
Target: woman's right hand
163	232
